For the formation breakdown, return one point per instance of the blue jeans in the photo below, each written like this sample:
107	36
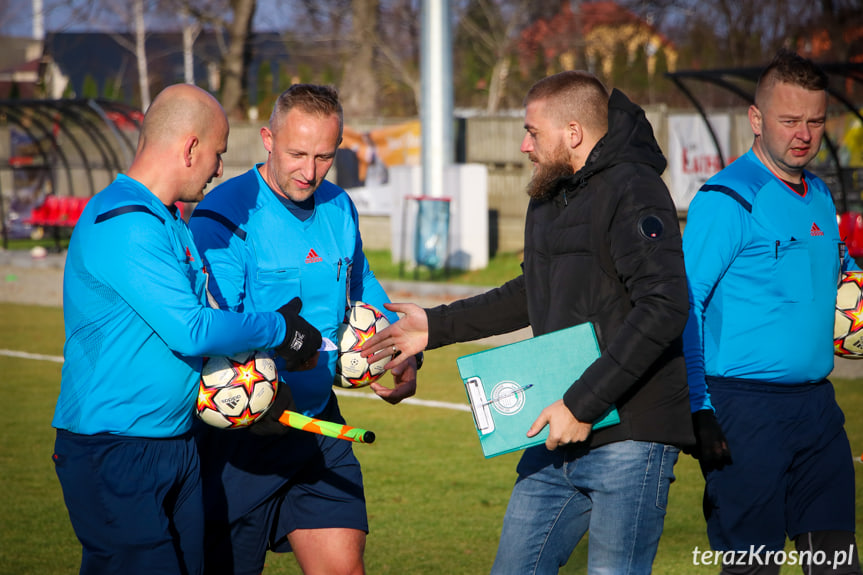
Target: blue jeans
617	491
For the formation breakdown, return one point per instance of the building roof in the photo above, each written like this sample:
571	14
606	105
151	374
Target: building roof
15	51
20	67
103	58
561	33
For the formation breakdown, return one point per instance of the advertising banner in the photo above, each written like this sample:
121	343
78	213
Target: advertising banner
692	155
364	158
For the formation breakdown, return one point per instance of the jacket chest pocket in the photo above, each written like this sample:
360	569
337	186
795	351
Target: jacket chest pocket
274	285
566	240
791	276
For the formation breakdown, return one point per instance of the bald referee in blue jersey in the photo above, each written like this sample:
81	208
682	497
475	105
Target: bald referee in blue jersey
137	324
763	258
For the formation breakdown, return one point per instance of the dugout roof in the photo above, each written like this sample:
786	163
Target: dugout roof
66	134
68	147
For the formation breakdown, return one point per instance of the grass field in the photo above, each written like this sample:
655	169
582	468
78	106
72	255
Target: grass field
501	268
435	503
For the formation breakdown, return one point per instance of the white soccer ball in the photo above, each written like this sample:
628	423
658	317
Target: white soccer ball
362	321
235	391
848	324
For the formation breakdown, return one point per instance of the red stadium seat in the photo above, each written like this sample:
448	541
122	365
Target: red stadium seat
70	210
80	204
51	209
57	211
66	207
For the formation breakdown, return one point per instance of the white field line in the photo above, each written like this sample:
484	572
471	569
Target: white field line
344	392
340	392
25	355
410	400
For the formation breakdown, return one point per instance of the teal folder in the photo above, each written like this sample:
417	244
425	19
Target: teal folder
508	386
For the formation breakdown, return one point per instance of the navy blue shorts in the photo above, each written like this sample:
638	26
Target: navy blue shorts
135	503
298	481
792	469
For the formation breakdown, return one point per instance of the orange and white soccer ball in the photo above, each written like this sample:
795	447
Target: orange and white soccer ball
361	322
848	325
235	391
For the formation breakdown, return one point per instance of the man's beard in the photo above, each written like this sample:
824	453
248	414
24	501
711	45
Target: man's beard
545	177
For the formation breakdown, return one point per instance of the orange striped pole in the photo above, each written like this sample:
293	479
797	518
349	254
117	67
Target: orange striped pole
328	428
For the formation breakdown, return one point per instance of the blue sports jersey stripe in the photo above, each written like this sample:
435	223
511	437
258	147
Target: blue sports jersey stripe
216	216
730	193
127	210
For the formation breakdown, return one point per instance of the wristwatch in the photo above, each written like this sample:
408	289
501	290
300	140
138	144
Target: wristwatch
419	357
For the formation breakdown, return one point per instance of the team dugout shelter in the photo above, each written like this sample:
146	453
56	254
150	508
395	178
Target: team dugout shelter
54	156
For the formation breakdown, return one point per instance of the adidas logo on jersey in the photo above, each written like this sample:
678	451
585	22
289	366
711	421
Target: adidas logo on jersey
313	257
815	230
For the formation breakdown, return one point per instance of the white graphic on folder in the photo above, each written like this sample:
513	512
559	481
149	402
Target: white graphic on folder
509	386
507	397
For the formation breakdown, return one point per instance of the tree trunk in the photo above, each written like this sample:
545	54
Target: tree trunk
359	91
234	63
497	87
191	29
141	54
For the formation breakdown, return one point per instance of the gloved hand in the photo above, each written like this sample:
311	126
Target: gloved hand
711	447
268	424
302	339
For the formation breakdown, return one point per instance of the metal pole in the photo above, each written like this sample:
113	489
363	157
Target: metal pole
436	106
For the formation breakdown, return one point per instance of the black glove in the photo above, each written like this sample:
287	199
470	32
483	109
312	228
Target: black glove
711	447
268	424
302	339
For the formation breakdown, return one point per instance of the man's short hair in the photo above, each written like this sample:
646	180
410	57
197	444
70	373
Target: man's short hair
788	67
573	95
313	99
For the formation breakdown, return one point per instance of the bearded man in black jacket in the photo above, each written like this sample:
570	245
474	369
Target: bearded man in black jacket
602	244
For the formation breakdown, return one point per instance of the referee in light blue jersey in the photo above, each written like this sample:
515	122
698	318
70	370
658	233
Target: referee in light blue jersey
278	231
763	257
137	323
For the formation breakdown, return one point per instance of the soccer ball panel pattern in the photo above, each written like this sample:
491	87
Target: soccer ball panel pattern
848	323
235	391
361	322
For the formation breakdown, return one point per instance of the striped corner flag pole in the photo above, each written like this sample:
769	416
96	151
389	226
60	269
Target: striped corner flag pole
328	428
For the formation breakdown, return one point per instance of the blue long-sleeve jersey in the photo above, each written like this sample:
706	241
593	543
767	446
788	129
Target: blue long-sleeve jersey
137	320
762	264
261	256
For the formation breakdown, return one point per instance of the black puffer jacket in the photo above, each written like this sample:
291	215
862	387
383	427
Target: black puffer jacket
604	248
